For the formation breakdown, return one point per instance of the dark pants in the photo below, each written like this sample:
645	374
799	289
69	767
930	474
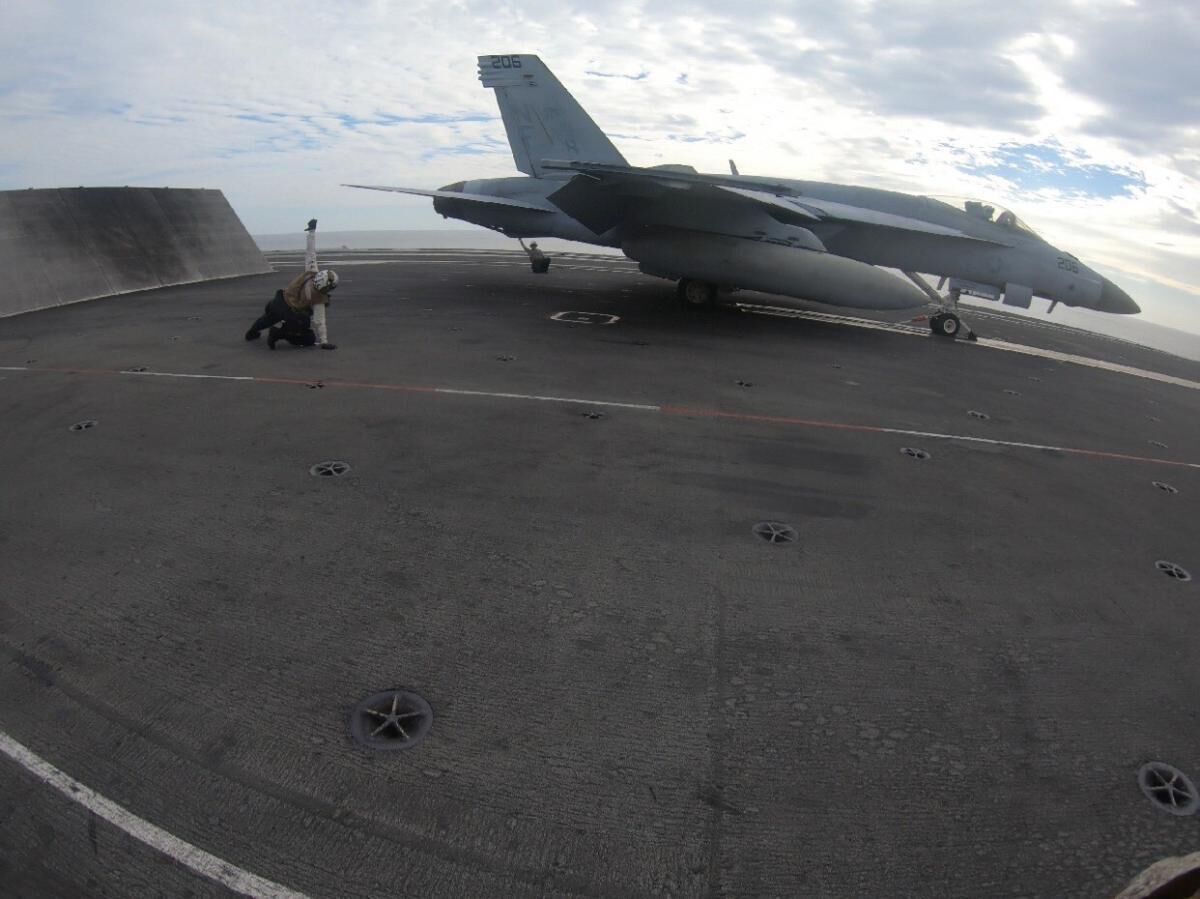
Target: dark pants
296	328
540	266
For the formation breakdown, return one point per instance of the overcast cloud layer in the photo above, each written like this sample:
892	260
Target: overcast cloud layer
1084	117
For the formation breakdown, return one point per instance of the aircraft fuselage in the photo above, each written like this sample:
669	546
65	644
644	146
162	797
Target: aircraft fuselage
1008	258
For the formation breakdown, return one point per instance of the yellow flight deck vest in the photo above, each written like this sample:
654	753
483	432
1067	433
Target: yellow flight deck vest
301	295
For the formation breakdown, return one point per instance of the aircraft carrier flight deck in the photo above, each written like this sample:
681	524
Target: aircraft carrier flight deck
744	602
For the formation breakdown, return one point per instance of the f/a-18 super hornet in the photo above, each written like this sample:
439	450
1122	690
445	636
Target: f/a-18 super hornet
718	233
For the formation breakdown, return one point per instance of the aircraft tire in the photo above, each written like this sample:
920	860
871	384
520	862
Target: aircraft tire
696	294
945	324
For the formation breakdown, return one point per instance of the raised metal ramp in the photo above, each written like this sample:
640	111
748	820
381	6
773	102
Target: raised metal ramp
63	245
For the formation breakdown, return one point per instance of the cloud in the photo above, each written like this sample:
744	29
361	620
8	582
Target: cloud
641	76
1179	219
925	60
709	137
1140	63
957	87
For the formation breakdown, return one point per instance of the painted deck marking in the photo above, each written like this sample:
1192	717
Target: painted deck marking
643	407
996	344
869	324
192	857
678	411
988	342
585	318
932	435
168	374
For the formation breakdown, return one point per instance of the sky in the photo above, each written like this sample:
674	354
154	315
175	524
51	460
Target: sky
1083	117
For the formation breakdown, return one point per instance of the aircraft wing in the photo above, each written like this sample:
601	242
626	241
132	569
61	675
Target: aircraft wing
483	199
769	199
659	181
843	212
666	176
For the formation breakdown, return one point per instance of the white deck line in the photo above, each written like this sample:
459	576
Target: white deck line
988	342
192	857
642	407
169	374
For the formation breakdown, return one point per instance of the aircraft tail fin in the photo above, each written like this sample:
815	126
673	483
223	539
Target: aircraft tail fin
542	119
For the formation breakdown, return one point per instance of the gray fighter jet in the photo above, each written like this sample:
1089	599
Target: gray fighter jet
714	234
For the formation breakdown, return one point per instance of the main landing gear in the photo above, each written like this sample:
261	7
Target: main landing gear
696	294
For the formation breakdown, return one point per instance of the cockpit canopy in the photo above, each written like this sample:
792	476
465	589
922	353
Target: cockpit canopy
988	212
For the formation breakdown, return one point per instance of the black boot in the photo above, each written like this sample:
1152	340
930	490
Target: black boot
272	337
252	334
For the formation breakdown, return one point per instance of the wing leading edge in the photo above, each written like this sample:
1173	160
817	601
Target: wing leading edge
482	199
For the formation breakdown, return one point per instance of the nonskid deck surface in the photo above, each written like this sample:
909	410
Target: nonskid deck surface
944	685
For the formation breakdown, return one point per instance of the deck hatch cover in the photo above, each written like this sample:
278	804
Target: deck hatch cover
1169	788
1170	569
329	469
775	532
391	720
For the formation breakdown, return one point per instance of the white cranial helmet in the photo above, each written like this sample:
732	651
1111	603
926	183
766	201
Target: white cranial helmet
325	280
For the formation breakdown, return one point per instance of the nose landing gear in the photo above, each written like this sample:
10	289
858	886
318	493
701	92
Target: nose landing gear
945	324
949	325
946	321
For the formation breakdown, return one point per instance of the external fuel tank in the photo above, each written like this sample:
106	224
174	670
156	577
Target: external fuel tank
789	271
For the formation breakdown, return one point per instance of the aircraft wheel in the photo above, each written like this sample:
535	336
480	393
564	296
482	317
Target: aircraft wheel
696	294
945	324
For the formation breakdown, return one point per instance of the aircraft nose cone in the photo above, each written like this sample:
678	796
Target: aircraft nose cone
1114	299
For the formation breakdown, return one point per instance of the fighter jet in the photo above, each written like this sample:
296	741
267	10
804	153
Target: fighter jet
715	233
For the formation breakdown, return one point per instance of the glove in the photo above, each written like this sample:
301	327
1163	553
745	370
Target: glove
329	346
312	225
